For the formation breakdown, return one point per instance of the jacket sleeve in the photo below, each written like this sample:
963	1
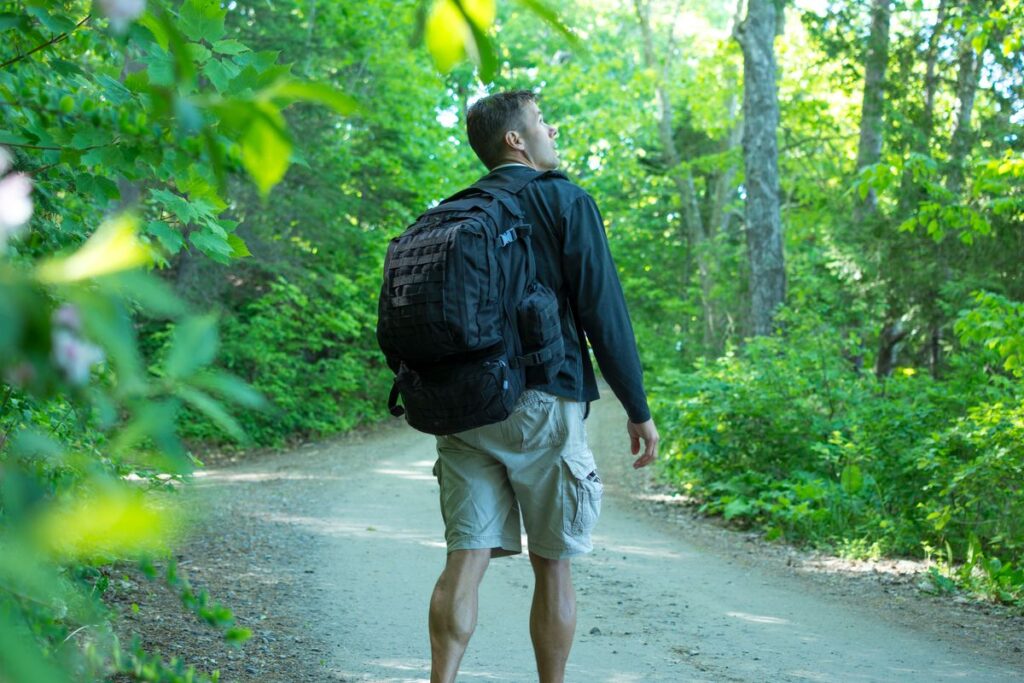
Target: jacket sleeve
596	296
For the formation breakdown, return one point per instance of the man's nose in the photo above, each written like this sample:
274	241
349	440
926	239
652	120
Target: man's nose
552	131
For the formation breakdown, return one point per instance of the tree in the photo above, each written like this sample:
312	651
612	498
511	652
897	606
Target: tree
756	34
682	177
876	59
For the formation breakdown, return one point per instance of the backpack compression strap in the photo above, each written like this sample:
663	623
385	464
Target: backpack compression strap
393	407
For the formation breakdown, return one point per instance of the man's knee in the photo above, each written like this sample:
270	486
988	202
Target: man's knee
551	570
464	568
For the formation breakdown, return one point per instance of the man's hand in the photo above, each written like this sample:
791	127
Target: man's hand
648	433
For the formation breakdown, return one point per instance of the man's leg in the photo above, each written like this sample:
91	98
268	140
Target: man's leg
552	617
453	608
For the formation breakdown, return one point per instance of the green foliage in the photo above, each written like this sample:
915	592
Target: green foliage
998	324
260	155
128	132
788	437
308	346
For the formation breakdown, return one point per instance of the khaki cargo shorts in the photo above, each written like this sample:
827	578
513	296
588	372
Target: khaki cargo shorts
535	463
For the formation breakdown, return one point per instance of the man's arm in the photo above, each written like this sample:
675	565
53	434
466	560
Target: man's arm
597	298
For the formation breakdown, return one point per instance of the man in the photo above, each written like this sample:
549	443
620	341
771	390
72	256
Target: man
537	461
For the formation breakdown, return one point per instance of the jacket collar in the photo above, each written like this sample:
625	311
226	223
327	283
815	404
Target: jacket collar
513	172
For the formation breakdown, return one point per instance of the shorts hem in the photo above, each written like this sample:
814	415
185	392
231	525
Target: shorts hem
499	546
562	553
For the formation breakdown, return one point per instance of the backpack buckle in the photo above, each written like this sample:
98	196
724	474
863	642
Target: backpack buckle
508	237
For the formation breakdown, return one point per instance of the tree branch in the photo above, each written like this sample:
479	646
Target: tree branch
737	23
48	148
52	41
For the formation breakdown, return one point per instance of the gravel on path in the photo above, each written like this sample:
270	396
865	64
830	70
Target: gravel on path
328	552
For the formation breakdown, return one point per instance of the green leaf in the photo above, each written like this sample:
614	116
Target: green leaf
108	323
266	148
193	345
1011	44
16	21
237	634
7	138
170	239
851	479
160	66
486	54
215	246
85	138
184	69
57	24
151	293
20	656
29	443
220	73
156	28
154	420
100	189
551	17
114	90
229	47
198	53
177	205
321	93
239	249
202	19
213	410
230	388
737	507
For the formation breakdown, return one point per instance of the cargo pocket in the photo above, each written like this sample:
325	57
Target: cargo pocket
583	490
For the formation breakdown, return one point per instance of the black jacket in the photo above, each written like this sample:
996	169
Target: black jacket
571	250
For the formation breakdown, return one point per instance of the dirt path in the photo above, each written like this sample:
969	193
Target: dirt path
329	553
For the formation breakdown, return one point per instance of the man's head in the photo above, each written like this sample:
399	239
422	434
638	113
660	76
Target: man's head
508	127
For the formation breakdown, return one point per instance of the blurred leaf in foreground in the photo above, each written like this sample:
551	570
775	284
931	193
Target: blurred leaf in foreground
108	523
114	247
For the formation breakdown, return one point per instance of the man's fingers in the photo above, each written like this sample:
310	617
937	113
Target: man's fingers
646	432
643	461
650	453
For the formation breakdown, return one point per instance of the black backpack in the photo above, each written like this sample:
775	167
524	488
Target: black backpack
462	320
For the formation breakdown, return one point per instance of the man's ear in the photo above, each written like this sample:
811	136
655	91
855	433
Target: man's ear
514	140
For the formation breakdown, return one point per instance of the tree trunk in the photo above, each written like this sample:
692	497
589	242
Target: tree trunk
876	59
724	187
967	78
312	22
910	192
893	332
968	74
760	155
682	178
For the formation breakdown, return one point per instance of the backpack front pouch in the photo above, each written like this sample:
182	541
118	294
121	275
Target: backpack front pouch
457	397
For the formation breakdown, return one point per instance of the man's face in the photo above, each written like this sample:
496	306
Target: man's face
538	139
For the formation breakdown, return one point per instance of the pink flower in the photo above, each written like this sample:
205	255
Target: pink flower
68	316
122	12
15	204
74	356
